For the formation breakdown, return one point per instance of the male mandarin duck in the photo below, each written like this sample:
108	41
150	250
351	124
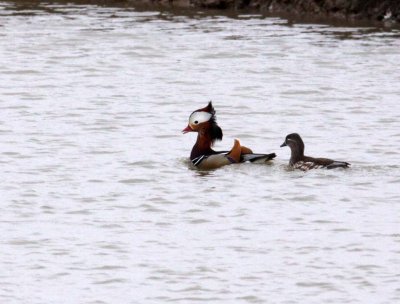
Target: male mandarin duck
203	121
299	161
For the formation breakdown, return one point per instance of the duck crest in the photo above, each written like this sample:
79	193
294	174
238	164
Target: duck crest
206	138
215	131
211	130
209	109
204	122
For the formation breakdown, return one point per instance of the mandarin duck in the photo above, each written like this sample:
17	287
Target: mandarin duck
203	121
299	161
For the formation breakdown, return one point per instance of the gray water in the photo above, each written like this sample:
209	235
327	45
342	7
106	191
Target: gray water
100	205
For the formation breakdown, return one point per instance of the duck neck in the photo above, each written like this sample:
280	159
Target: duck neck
203	144
297	153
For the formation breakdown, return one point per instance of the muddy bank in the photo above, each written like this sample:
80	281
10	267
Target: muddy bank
373	10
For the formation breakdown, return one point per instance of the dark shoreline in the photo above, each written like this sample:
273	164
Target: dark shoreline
336	12
372	10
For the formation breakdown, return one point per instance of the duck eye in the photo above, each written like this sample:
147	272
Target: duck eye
196	122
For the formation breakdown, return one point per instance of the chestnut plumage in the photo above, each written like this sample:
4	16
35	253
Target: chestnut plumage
204	122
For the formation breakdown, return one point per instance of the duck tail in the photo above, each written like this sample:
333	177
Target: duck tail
338	164
257	158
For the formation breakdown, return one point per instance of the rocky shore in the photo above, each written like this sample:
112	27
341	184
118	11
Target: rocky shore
373	10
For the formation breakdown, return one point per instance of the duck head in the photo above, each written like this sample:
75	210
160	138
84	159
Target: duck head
295	143
204	121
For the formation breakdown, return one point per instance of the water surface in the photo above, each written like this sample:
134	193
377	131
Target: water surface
99	204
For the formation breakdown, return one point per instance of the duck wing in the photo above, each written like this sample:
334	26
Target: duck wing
212	161
325	163
306	165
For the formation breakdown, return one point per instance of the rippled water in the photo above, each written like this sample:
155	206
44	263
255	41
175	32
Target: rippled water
99	205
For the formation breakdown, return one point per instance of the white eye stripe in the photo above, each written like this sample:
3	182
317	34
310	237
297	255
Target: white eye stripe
199	117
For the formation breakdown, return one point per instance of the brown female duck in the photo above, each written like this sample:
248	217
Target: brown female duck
299	161
203	121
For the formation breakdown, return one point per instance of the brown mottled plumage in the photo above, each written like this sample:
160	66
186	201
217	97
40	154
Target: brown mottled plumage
299	161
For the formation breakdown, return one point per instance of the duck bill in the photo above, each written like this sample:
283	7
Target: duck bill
283	145
187	129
